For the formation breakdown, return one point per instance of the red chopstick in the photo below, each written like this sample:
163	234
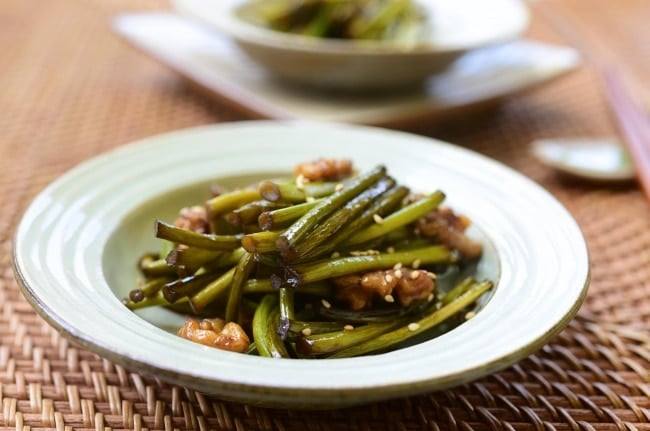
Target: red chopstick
632	122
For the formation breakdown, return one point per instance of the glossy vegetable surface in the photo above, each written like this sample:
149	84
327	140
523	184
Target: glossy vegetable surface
350	270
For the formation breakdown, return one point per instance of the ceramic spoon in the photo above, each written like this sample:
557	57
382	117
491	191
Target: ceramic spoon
602	159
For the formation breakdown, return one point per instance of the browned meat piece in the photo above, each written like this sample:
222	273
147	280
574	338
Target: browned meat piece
414	285
215	333
193	218
450	228
324	169
358	291
381	283
349	290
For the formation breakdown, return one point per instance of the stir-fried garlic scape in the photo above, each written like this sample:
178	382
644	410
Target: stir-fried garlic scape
328	263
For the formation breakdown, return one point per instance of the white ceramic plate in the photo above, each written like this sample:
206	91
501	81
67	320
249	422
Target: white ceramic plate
212	62
453	27
76	245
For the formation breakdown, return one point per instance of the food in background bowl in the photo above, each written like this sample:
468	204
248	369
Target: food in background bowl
400	21
445	31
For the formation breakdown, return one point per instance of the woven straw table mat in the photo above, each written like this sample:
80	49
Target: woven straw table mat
69	89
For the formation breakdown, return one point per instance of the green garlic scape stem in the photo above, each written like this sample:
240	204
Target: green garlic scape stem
265	324
405	332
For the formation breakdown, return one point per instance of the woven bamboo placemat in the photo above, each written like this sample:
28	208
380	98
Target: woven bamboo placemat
69	90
